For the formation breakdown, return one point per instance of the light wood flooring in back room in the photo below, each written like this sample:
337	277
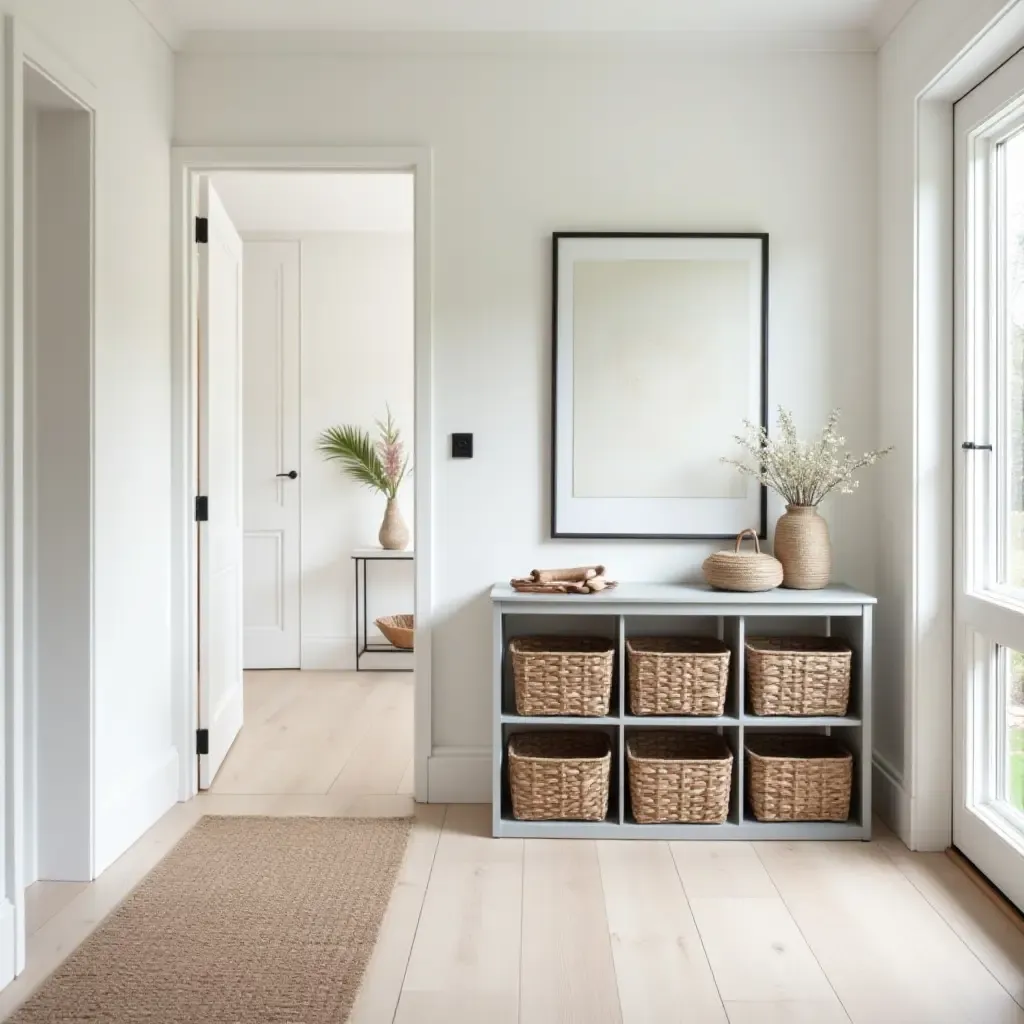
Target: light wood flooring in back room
482	931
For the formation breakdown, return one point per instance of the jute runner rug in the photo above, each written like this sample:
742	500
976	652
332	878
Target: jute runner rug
254	920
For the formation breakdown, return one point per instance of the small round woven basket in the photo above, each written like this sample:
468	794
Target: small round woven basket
744	571
398	630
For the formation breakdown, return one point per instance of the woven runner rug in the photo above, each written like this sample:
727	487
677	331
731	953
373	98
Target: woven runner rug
254	920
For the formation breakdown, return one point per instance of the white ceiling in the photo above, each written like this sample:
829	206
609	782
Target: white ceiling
178	19
294	203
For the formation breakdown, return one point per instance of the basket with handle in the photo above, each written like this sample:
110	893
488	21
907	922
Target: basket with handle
743	571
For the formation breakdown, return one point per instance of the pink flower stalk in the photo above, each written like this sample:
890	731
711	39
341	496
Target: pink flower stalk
392	457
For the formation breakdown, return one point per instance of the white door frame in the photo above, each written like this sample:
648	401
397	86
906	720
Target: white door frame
186	164
24	48
919	800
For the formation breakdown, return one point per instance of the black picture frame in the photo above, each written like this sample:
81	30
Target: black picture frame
556	239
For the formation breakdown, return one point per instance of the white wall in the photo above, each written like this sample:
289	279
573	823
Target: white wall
526	145
357	357
915	529
130	67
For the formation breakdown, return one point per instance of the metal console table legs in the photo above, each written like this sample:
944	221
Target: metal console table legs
361	559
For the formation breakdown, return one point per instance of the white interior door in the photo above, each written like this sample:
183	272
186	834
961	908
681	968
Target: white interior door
220	481
272	570
988	807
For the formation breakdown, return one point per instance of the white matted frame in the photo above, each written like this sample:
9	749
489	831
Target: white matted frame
656	335
23	49
187	165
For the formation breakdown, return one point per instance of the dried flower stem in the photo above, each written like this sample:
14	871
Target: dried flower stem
802	472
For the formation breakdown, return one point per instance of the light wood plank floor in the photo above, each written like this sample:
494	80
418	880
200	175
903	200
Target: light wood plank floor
481	931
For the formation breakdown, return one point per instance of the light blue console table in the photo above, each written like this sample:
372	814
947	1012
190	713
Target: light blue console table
637	609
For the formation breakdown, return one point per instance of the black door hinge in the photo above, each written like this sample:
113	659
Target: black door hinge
202	509
202	741
971	446
202	230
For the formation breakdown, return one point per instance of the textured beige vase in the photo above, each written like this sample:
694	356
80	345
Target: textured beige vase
803	548
394	534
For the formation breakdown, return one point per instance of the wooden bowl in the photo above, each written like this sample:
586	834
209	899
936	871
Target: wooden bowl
398	629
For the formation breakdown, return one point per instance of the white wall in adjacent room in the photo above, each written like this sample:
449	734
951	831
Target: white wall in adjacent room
525	145
353	234
357	358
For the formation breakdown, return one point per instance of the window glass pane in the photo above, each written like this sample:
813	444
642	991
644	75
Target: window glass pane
1014	785
1012	385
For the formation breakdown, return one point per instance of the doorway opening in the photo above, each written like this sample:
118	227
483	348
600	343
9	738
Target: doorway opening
305	307
57	284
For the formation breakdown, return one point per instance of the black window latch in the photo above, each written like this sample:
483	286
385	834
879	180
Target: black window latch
972	446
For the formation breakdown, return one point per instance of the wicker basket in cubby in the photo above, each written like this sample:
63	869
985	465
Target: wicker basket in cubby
562	675
559	775
677	675
679	777
789	675
798	777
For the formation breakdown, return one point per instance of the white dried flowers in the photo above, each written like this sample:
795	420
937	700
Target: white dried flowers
802	472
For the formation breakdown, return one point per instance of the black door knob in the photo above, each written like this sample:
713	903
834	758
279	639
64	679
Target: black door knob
291	476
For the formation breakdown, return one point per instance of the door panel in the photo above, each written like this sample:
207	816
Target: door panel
220	479
988	816
271	442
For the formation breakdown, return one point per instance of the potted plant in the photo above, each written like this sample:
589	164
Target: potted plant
380	465
803	473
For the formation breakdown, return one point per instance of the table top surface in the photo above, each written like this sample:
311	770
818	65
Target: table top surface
689	593
376	553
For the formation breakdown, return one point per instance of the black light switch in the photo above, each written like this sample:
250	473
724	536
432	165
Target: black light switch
462	446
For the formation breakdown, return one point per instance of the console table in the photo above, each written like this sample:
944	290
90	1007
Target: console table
646	609
361	557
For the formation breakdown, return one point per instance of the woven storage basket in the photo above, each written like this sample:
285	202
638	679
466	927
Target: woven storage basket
679	776
677	675
559	775
745	571
562	675
798	778
398	630
798	675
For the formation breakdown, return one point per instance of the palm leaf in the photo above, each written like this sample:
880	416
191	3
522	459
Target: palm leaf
355	451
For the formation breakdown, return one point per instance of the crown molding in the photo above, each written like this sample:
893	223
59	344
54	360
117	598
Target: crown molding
266	43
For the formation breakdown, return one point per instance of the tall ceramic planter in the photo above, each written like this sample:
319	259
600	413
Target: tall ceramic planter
803	548
394	534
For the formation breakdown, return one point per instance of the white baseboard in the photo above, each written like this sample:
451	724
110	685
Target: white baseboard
8	943
124	817
459	775
890	798
338	654
328	654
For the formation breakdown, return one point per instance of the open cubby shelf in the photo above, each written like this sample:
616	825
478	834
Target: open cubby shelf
639	609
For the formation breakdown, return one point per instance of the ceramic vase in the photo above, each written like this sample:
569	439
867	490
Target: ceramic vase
803	547
394	534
